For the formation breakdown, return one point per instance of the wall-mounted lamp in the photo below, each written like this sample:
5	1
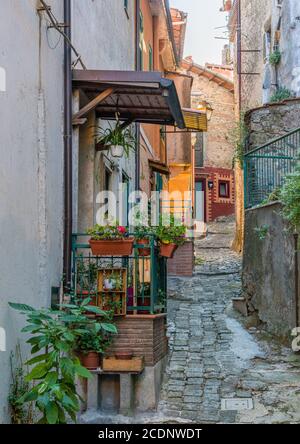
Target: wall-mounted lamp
207	108
210	184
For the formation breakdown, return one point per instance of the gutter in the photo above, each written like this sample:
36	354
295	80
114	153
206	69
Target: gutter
68	202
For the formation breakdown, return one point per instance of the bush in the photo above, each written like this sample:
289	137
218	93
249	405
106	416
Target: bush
280	95
290	197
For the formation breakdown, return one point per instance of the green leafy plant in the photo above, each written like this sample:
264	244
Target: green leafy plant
107	232
116	135
54	365
275	57
281	94
143	232
95	339
262	232
87	273
290	198
171	232
238	137
20	413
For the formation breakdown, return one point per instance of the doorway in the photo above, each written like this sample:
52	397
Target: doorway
200	200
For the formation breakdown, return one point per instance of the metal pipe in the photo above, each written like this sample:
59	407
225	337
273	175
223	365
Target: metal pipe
68	204
239	51
138	68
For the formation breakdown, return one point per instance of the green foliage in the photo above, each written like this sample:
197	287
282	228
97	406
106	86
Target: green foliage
87	274
171	231
273	197
143	232
54	337
238	137
275	57
262	232
97	338
290	197
116	135
20	413
281	94
107	232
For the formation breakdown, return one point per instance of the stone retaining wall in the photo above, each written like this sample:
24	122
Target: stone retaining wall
269	269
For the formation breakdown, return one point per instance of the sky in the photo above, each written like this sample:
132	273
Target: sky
204	17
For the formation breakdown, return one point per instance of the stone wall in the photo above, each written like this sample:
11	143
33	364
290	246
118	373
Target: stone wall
271	121
269	270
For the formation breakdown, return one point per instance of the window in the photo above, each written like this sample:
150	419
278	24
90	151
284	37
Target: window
224	189
199	151
150	58
267	45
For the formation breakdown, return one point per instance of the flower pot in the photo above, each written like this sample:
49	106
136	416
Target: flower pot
117	247
228	5
124	355
168	250
117	151
90	360
144	251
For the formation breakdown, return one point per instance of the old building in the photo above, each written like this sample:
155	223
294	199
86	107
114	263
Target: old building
55	169
214	151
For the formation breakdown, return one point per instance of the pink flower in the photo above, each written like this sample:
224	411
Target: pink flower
122	230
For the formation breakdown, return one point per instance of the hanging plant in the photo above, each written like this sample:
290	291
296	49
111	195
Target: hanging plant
275	57
117	139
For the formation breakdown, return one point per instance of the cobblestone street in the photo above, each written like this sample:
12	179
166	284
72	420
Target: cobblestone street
213	357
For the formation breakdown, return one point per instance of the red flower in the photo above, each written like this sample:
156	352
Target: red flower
122	230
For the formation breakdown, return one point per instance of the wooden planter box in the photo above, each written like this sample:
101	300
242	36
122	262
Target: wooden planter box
115	365
119	247
119	296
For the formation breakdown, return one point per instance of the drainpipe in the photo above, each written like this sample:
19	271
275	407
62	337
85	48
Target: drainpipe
239	51
68	205
138	68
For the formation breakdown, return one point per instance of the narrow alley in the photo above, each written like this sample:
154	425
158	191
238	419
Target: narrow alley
214	358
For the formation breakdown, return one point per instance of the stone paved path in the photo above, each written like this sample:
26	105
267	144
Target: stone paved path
213	356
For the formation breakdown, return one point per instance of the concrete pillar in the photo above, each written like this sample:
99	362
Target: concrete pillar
93	393
126	394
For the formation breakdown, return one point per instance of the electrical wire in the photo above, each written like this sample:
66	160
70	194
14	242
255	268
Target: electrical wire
57	26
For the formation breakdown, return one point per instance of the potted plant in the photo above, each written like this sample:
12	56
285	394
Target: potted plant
92	344
117	140
142	236
110	240
113	282
170	237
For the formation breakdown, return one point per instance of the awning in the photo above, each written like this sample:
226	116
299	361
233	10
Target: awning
138	96
195	120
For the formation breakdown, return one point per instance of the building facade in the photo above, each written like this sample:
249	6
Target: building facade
214	149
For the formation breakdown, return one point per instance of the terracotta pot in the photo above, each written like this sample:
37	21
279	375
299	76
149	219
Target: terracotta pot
144	251
124	355
118	247
228	5
90	360
168	250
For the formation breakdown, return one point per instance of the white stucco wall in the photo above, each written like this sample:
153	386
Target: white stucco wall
104	35
31	169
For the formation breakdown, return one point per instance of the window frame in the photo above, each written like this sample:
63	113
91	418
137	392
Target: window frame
227	185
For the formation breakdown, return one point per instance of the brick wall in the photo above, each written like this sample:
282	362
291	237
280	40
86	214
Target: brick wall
143	335
217	206
182	263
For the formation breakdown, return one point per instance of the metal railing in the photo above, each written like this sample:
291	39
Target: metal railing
266	167
142	278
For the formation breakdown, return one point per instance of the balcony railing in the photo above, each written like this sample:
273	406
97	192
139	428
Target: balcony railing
266	167
127	285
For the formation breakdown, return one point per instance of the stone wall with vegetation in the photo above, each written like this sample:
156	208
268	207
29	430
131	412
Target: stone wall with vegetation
270	121
269	269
